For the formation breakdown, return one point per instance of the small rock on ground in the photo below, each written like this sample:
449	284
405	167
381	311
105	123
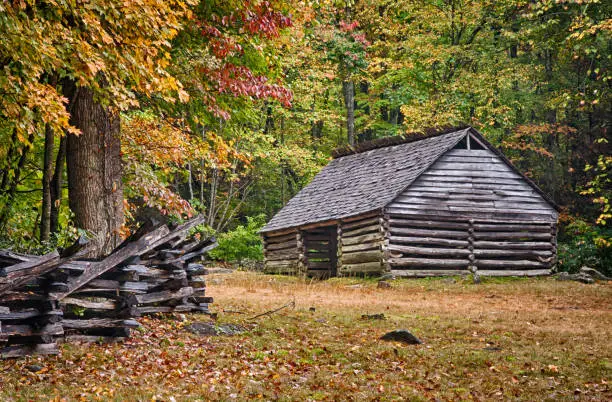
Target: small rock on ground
594	274
383	285
380	316
401	335
583	278
212	329
34	368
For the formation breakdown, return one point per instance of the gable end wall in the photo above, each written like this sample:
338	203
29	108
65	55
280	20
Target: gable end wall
470	211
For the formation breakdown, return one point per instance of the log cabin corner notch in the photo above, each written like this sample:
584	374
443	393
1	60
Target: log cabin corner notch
444	203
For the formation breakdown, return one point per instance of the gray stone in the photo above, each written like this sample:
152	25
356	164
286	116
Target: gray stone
401	335
212	329
380	316
583	278
34	368
594	274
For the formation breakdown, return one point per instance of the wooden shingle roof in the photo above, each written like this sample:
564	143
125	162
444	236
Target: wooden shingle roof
363	181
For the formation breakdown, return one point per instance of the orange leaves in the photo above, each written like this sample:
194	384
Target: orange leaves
111	47
158	141
530	137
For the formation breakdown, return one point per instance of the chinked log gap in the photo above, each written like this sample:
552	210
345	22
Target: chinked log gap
59	297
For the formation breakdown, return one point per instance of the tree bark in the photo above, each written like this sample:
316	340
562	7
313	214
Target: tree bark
57	182
348	90
45	216
93	160
12	189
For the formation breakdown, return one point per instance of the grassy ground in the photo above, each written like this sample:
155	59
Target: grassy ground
500	340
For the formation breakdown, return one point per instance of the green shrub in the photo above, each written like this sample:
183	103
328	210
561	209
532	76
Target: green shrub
582	244
242	243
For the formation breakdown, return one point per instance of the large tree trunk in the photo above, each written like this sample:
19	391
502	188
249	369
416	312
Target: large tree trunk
348	89
94	171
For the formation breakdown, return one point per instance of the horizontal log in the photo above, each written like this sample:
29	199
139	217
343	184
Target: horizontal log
432	241
30	330
96	305
290	255
29	264
501	227
428	262
361	257
458	217
164	295
269	239
360	231
99	323
194	254
360	247
513	253
283	263
502	216
415	223
424	273
429	251
360	223
451	234
506	272
173	284
282	246
512	245
368	267
502	264
370	238
19	315
471	207
154	309
512	235
9	255
28	350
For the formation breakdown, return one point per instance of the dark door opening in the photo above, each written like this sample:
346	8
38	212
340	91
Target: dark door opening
321	247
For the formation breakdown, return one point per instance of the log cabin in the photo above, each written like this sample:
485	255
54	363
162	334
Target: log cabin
436	204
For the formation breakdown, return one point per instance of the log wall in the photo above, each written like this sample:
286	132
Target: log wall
282	252
470	212
361	242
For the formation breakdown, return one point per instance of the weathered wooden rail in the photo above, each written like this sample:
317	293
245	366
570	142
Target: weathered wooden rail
46	298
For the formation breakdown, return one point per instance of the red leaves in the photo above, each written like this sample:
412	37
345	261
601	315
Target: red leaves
225	36
263	20
240	81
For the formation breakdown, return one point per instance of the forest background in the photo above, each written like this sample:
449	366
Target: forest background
114	111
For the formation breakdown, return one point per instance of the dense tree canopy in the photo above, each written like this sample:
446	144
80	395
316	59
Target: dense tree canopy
229	107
